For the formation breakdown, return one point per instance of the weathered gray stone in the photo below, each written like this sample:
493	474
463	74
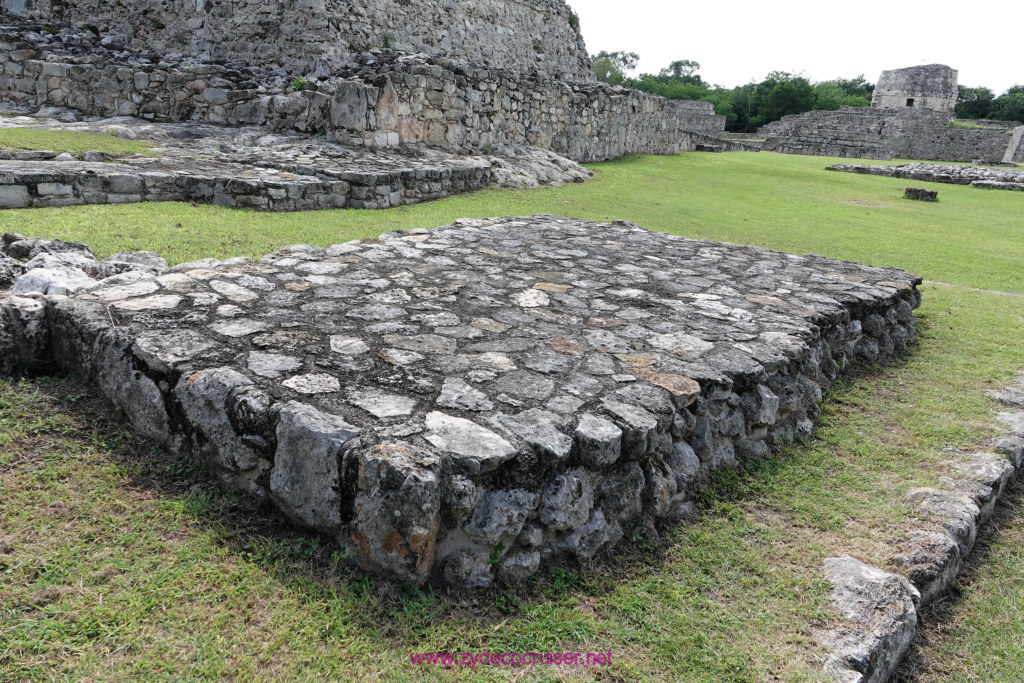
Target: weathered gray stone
142	261
1013	421
52	281
473	447
397	510
538	429
63	260
305	478
930	561
272	365
313	383
469	567
137	395
600	441
499	516
880	610
381	404
24	333
204	398
10	270
567	501
456	393
518	567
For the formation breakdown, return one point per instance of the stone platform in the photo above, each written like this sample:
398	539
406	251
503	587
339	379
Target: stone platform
465	404
257	167
991	178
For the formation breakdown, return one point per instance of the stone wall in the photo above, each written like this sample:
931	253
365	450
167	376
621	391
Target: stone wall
879	133
320	36
25	184
389	99
933	87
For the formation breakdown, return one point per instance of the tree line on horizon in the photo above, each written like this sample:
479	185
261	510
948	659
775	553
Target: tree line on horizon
748	107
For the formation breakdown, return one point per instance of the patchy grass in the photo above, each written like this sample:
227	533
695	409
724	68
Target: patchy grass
975	634
72	142
120	561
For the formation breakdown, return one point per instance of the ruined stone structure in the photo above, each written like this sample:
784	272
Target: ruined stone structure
931	87
319	37
464	404
379	99
255	168
909	118
990	178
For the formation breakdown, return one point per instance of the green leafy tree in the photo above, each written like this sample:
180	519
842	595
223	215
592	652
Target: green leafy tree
793	96
1010	105
828	96
974	103
613	67
682	71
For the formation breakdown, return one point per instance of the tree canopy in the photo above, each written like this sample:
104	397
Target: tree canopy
748	107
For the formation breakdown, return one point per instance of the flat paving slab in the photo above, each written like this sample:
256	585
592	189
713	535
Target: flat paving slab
464	404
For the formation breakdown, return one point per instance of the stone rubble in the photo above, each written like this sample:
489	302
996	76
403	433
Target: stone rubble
467	404
992	178
880	608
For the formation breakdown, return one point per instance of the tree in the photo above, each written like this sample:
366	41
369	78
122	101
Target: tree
828	96
793	96
612	67
974	103
1010	105
682	71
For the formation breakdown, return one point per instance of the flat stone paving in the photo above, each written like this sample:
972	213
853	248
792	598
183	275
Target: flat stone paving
463	404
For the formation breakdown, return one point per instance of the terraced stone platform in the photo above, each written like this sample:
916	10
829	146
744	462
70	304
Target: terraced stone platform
466	404
259	168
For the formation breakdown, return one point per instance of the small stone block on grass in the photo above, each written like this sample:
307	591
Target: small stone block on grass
921	194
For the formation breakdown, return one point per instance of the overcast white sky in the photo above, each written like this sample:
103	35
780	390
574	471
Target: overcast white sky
739	41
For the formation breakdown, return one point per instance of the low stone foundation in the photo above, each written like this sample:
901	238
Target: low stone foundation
992	178
465	404
259	168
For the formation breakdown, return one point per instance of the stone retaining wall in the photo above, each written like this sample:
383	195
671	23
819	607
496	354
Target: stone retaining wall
389	100
888	133
465	404
306	37
26	184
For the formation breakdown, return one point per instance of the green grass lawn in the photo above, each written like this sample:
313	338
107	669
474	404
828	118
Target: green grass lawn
970	237
118	561
73	142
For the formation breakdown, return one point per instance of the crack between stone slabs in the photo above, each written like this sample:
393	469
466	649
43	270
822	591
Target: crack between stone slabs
881	608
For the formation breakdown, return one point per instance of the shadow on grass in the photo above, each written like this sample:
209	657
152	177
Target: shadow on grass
926	648
258	534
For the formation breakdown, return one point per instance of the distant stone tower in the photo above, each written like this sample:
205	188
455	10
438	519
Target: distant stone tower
932	86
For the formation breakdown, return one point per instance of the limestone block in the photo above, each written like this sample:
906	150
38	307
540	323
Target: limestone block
305	478
397	510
